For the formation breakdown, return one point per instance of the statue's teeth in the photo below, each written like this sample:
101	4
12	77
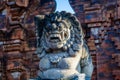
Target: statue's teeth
55	36
60	38
62	35
47	34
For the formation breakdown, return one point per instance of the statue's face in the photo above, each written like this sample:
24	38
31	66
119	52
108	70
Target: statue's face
56	34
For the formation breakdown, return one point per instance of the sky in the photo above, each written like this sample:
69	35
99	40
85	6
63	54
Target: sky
64	5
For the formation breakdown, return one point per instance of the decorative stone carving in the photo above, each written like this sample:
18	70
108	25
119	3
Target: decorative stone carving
61	48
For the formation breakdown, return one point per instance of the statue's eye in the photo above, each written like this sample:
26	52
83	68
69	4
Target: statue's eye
48	27
60	26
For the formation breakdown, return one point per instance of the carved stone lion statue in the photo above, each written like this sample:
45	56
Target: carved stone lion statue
61	48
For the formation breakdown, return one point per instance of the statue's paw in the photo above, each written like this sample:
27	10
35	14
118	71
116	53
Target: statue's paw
78	77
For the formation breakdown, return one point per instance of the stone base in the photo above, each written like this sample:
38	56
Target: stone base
77	77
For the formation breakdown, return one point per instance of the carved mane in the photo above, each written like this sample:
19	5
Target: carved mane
60	42
69	19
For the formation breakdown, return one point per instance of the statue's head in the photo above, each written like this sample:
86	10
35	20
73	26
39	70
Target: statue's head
57	30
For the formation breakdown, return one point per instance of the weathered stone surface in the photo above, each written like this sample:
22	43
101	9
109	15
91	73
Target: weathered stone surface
44	64
62	44
52	74
63	64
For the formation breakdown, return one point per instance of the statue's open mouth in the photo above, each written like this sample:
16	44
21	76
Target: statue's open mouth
55	38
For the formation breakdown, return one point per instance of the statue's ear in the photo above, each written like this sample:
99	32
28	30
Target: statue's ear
38	20
39	23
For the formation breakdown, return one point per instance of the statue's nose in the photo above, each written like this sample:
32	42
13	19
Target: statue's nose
54	26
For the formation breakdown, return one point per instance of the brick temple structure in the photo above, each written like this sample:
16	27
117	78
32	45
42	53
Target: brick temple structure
100	20
18	60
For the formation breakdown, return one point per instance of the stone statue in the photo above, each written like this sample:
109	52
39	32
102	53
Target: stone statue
61	48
